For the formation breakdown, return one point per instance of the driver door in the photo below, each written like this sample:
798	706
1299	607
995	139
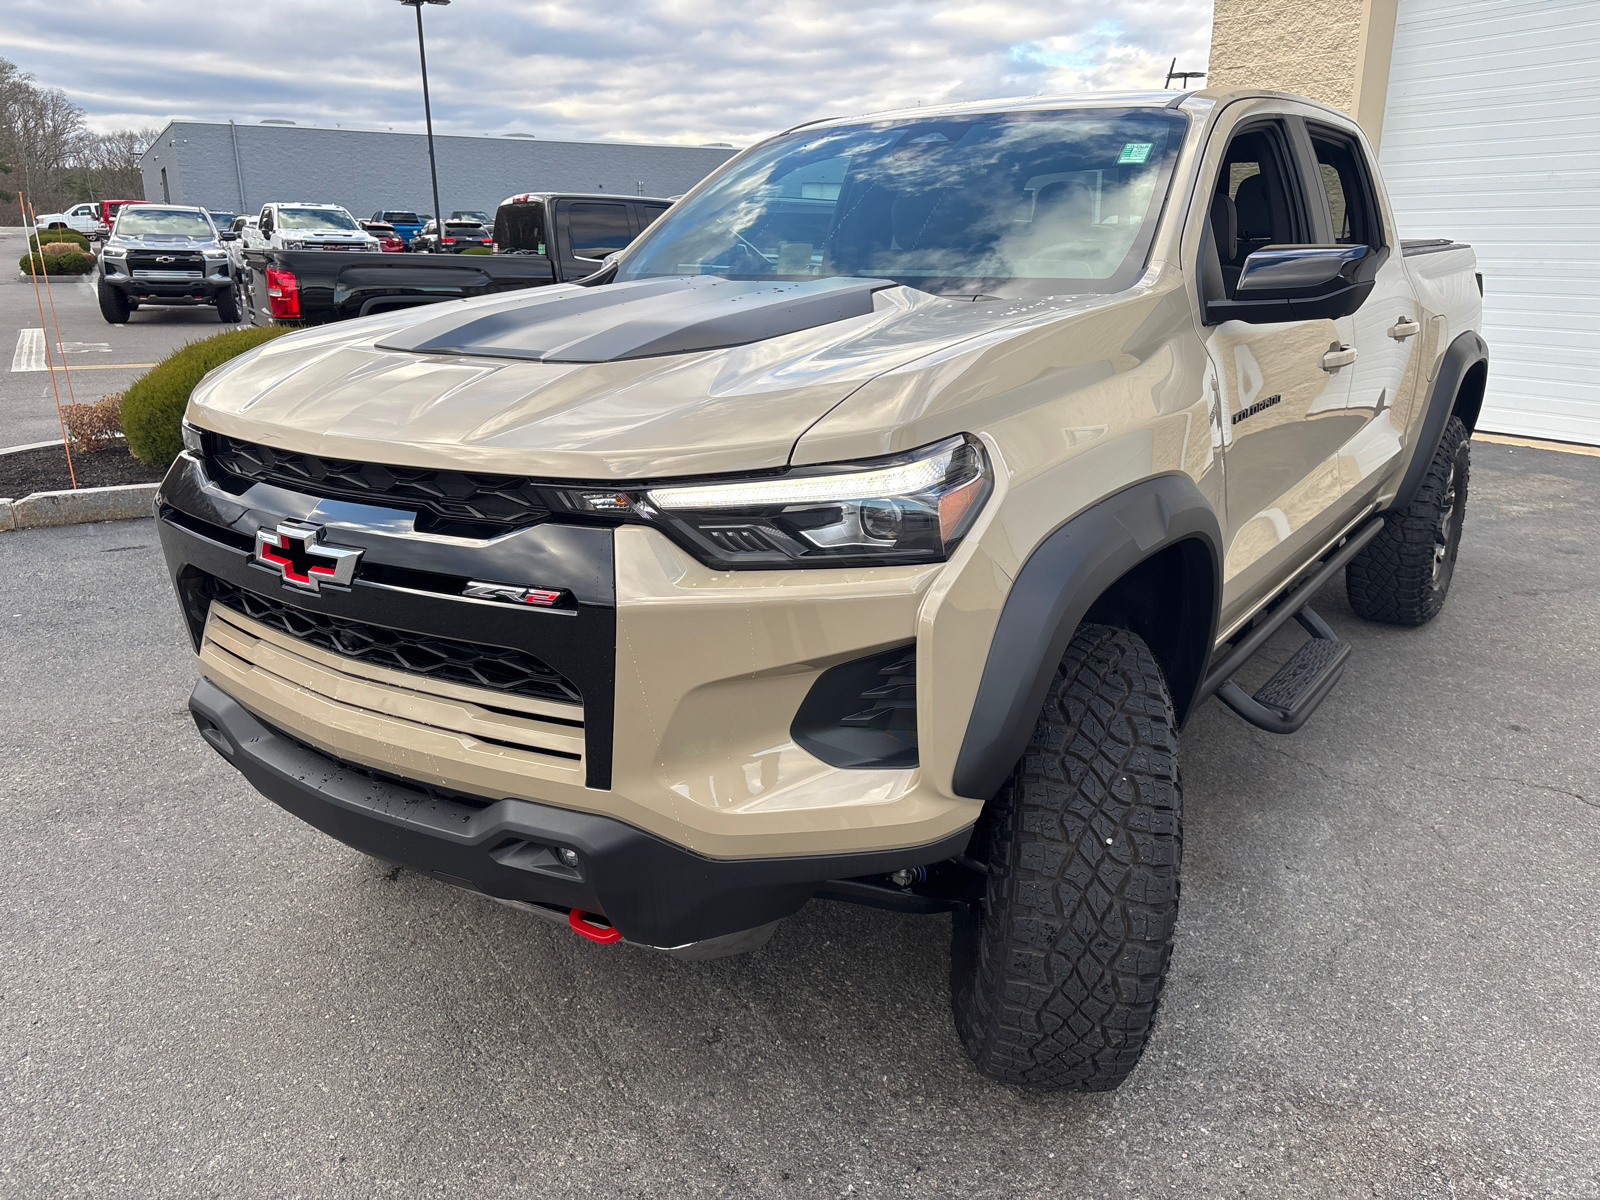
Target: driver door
1280	389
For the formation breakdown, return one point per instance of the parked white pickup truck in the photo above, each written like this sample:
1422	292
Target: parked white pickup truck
302	226
82	218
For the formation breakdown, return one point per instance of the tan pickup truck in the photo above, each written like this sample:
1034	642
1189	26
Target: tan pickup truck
867	530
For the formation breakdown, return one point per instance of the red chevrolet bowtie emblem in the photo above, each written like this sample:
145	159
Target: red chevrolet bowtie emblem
295	552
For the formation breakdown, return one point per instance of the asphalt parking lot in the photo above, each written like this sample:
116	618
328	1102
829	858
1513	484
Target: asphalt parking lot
101	357
1387	981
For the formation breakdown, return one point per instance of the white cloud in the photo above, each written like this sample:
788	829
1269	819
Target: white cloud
659	70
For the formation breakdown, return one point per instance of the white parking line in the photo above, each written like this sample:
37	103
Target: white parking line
29	354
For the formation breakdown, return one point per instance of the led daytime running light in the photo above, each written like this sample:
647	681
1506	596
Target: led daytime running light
905	479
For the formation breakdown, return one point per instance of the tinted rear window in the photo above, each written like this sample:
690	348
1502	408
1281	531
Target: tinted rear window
598	229
520	226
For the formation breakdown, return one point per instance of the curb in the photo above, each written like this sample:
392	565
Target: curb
73	508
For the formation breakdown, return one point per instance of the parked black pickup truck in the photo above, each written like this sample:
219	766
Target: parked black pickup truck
310	287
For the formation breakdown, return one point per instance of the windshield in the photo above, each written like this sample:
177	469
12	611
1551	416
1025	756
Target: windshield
316	218
140	220
1001	203
402	218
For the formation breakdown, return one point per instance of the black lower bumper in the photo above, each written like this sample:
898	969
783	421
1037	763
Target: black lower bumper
165	291
655	892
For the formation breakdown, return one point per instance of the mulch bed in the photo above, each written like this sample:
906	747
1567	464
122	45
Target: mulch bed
45	470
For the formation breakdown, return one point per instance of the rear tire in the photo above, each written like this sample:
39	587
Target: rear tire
228	306
1056	975
1403	575
113	304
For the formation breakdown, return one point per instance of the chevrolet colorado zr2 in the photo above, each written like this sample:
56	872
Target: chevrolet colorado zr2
867	530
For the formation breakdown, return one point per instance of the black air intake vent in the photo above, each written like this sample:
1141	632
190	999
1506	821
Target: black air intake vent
863	714
497	502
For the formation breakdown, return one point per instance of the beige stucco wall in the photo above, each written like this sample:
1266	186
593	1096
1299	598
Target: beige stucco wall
1336	51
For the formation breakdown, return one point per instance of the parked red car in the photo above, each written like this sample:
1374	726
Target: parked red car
109	210
389	241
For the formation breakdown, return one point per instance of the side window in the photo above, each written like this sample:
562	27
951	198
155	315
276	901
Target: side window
648	214
598	229
1257	200
1351	201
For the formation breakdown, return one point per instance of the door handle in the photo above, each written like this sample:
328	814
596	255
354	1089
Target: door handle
1337	356
1403	328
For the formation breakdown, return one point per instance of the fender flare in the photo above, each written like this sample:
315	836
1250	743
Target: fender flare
1464	353
1062	578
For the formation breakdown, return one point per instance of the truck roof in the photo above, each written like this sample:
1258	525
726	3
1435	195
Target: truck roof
528	197
1136	99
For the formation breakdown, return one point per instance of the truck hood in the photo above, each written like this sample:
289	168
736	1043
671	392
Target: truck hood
161	241
625	382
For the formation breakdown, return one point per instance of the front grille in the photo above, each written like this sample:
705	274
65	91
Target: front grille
502	501
182	261
470	663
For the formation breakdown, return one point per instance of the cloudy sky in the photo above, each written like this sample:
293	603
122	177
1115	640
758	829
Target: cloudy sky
656	70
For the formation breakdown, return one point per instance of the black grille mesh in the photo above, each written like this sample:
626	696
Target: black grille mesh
469	663
506	501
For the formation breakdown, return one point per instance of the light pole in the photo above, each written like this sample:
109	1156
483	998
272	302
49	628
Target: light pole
427	108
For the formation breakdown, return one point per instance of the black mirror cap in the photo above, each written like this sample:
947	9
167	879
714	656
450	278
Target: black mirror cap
1296	295
227	235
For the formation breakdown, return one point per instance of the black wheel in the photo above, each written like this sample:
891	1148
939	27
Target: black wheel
113	304
133	306
1403	575
1056	975
228	306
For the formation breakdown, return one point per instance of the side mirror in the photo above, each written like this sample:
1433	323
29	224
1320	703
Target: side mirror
1299	283
227	235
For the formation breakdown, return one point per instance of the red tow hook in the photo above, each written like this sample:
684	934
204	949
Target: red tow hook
584	927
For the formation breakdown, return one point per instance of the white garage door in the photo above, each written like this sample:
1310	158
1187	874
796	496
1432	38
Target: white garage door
1491	136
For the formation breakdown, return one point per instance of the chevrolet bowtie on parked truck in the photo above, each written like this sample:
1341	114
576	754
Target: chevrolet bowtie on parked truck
867	530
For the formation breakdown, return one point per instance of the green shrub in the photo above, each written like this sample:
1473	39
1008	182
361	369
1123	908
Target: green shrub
73	262
58	235
152	407
476	250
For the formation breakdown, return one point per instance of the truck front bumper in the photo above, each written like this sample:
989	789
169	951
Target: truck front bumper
654	892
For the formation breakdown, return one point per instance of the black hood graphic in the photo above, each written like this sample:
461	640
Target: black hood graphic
645	319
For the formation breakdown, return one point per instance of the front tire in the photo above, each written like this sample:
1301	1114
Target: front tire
113	304
228	306
1056	976
1403	575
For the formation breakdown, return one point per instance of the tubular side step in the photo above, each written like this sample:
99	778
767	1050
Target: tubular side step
1284	702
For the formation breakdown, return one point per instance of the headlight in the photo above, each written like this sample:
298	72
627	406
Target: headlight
191	437
215	252
294	245
911	508
114	252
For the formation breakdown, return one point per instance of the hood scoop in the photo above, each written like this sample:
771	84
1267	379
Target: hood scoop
644	319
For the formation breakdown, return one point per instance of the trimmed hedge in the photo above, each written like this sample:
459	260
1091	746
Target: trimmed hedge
476	250
58	235
70	262
152	408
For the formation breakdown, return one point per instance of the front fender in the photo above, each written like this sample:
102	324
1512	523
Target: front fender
1057	586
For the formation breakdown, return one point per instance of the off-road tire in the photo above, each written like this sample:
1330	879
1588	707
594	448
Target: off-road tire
1056	975
113	304
228	306
1403	575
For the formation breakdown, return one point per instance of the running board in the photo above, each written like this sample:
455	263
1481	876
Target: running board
1284	702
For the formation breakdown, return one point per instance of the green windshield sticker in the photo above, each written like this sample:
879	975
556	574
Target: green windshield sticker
1135	152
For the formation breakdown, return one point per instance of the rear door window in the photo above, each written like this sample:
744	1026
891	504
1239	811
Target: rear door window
1352	203
598	229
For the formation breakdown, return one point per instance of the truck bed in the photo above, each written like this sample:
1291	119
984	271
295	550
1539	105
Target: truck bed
336	285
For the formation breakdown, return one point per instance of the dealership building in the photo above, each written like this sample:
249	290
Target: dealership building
237	168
